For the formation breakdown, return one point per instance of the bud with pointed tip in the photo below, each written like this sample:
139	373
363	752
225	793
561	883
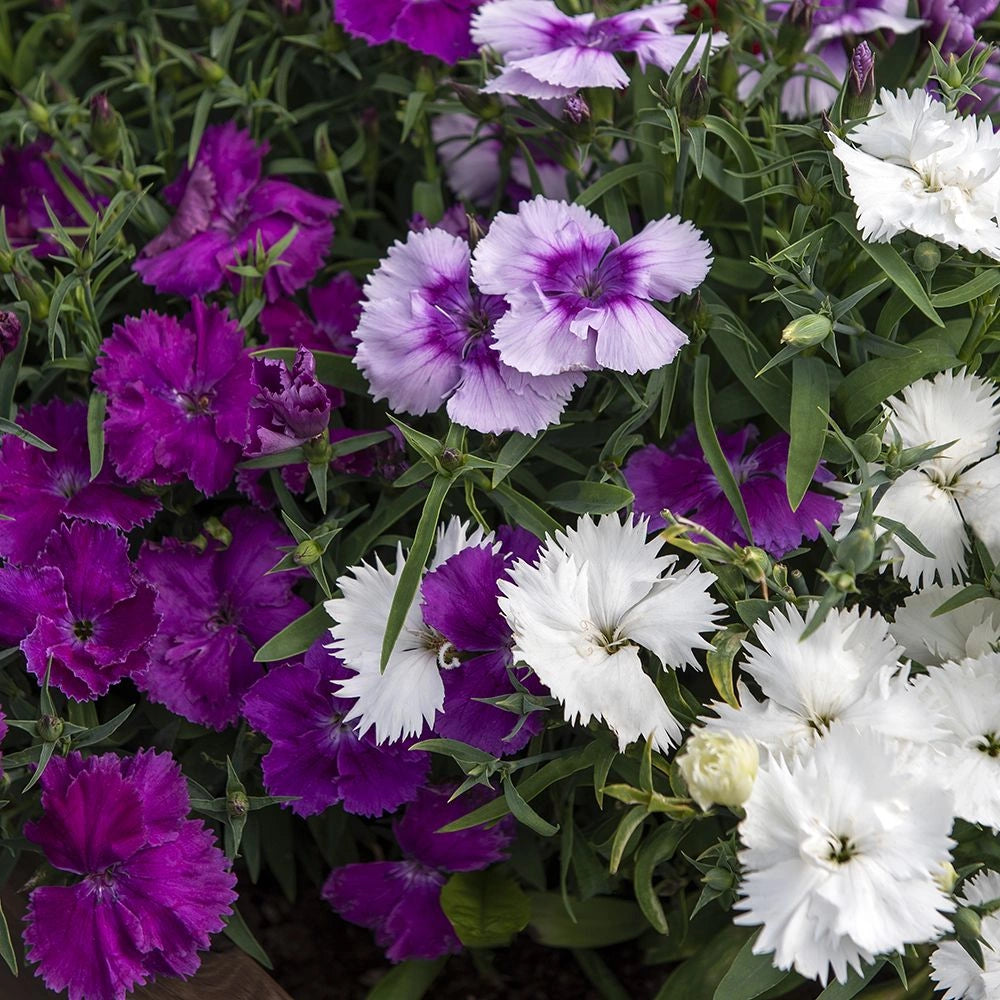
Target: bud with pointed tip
793	32
237	804
104	135
808	330
50	728
306	553
37	113
860	83
484	106
695	100
208	69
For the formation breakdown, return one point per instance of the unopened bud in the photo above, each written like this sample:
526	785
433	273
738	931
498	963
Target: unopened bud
953	75
695	100
576	109
33	294
843	581
808	330
306	553
237	804
793	32
37	113
50	728
968	924
927	256
860	83
214	528
425	82
451	459
869	446
755	563
719	768
104	135
318	451
10	332
945	876
857	551
208	69
803	188
484	106
214	11
326	158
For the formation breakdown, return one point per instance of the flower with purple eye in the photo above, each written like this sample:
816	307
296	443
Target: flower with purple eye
401	900
314	755
460	601
437	29
224	209
426	335
579	299
79	613
39	490
548	53
147	886
336	309
218	606
179	395
680	480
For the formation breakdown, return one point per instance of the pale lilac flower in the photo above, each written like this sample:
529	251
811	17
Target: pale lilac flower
578	299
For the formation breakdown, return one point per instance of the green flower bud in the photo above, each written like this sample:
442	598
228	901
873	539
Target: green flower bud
33	294
451	460
756	563
813	328
793	32
214	528
869	446
50	728
214	11
37	113
843	581
237	804
927	256
720	880
857	551
805	190
326	158
860	83
208	69
968	924
306	553
318	451
695	100
484	106
953	74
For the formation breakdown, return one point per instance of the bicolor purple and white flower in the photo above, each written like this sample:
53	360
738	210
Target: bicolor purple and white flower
579	299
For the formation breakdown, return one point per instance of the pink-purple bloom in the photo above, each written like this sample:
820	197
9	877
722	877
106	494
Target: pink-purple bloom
218	607
681	480
401	900
147	886
224	208
951	24
439	28
179	395
39	490
10	332
336	309
80	612
314	755
548	53
579	299
427	335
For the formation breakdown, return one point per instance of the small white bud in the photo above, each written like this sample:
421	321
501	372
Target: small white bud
945	877
719	768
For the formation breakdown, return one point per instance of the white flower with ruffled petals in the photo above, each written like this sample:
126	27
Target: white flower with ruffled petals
598	594
953	968
841	849
970	630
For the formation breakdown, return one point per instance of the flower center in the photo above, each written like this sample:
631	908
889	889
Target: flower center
589	286
989	744
444	651
842	849
68	483
83	629
224	616
195	404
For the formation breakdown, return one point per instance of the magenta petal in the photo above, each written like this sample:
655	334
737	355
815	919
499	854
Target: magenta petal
377	779
158	780
24	595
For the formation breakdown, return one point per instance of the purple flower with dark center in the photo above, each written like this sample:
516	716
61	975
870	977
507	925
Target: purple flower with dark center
179	395
80	612
291	406
336	309
579	300
551	54
39	490
680	480
10	332
26	184
224	209
148	886
439	28
460	601
426	335
219	607
401	900
318	758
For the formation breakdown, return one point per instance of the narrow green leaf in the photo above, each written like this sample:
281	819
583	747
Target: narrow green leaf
237	931
7	952
807	420
486	908
600	921
295	638
514	451
407	981
198	122
524	813
982	283
524	512
750	975
630	822
612	179
95	431
590	498
48	749
99	733
600	974
9	427
854	985
719	660
656	849
974	592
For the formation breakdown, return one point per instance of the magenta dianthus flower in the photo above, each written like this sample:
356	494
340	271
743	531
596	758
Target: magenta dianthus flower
680	480
219	607
548	53
426	335
80	612
401	900
39	490
179	395
436	28
149	885
578	299
336	309
318	758
224	208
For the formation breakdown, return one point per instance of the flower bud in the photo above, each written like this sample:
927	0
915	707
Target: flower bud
10	332
576	109
945	877
927	256
857	551
306	553
695	100
50	728
808	330
214	11
237	804
968	924
33	294
451	460
37	113
326	158
953	74
793	32
843	581
484	106
719	768
869	446
860	83
318	451
806	192
755	563
104	136
208	69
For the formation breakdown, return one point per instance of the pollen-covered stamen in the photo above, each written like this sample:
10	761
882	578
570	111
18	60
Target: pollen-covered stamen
445	651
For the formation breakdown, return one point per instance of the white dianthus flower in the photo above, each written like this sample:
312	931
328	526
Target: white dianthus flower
719	768
841	850
967	631
599	592
953	968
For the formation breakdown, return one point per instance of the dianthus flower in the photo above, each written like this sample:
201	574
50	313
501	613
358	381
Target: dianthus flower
579	300
551	54
318	758
953	969
917	167
79	612
401	900
179	395
335	308
149	885
224	208
219	607
599	593
682	481
426	336
40	490
930	639
437	29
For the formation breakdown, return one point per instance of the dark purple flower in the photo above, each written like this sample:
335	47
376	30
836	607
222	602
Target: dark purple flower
460	600
291	407
314	755
26	184
681	480
951	24
179	395
218	608
401	900
81	609
224	209
439	28
336	309
39	490
152	885
10	332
